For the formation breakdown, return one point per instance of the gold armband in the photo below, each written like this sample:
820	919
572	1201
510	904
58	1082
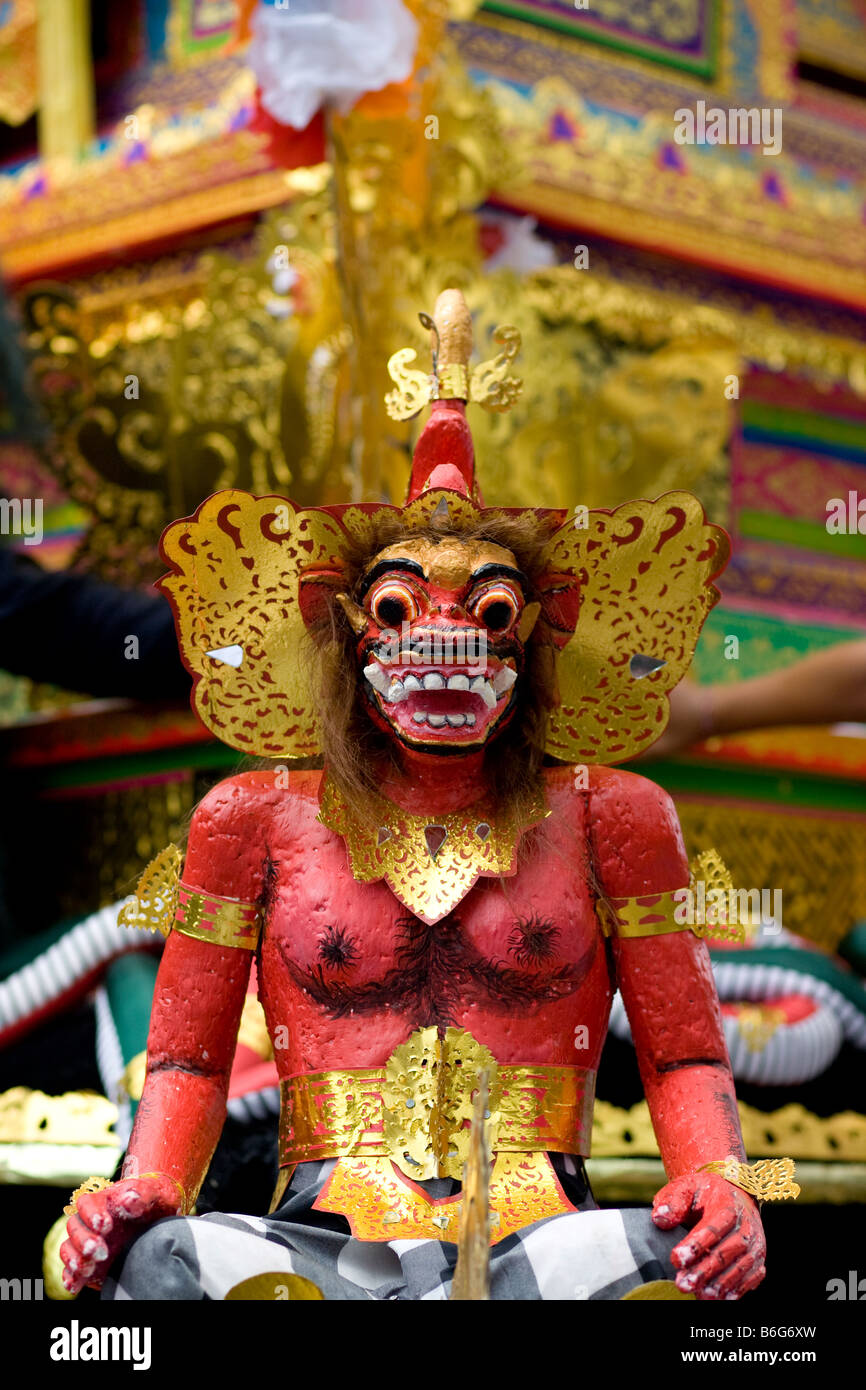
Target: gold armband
707	905
652	914
163	903
224	921
768	1180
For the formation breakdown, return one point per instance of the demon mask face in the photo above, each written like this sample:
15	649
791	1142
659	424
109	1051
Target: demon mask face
441	628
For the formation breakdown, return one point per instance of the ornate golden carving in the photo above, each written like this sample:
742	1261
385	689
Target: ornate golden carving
817	861
381	1204
490	384
155	901
77	1117
235	584
769	1180
417	1109
666	553
428	1101
413	389
391	844
791	1130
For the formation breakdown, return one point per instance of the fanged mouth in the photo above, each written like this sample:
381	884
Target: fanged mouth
446	701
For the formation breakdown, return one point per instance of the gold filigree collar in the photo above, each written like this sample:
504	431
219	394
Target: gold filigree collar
429	862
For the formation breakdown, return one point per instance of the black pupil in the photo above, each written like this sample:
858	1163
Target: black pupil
497	615
391	611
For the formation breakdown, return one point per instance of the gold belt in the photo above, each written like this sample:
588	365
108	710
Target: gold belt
417	1109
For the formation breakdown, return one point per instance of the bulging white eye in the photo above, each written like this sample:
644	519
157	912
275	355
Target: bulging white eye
498	605
392	601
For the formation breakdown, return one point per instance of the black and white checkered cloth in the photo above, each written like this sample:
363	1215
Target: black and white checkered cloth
585	1254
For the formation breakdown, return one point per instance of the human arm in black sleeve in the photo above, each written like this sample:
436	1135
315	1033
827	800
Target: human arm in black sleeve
73	630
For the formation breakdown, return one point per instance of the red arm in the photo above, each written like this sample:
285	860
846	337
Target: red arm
670	996
197	1005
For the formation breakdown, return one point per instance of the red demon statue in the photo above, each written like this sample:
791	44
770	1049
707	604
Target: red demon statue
460	890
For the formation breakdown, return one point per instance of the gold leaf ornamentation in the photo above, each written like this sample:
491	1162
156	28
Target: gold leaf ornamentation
381	1204
429	1084
413	390
89	1185
234	589
389	843
491	385
155	901
768	1180
416	1110
646	574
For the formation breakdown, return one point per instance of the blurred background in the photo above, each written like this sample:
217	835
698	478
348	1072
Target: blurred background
218	220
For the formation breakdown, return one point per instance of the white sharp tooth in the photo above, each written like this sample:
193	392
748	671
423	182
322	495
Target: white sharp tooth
504	681
481	686
458	682
377	678
395	693
433	681
419	717
456	720
470	720
411	683
437	720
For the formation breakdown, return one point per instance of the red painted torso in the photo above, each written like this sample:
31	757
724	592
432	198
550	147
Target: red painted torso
350	972
347	973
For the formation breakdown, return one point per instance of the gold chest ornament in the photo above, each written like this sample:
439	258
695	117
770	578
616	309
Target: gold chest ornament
429	862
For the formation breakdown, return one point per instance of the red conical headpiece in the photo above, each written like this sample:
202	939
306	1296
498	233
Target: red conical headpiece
444	455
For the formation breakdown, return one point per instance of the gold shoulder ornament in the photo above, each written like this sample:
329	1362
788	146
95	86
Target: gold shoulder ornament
154	903
162	902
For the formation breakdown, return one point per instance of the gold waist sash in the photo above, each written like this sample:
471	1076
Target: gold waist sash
417	1109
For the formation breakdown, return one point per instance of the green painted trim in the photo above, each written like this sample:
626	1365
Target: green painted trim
804	535
801	425
700	67
718	782
95	771
767	643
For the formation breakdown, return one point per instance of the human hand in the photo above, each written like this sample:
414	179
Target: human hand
691	720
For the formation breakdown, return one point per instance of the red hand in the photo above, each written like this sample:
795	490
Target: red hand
107	1221
723	1255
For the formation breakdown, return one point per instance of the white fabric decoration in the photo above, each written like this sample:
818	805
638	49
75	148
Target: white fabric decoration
522	250
317	51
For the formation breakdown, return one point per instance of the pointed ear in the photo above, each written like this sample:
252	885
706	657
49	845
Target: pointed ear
358	619
560	604
528	619
316	590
